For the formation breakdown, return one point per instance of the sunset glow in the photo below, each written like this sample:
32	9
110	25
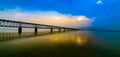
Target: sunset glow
50	18
57	17
82	18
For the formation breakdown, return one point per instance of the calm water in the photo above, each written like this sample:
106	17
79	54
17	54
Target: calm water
68	44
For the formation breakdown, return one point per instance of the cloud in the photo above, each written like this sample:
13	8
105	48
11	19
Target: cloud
46	17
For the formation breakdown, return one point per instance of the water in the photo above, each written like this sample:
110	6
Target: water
67	44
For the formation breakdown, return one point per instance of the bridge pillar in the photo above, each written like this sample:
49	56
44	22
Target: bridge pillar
51	30
59	29
19	31
36	30
64	29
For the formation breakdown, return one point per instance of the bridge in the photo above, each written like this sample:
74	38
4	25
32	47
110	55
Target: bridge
20	25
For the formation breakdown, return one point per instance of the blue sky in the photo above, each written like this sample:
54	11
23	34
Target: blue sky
106	15
62	6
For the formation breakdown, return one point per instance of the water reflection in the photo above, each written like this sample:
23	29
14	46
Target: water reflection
78	40
75	37
68	44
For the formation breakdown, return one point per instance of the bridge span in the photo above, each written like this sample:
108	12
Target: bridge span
20	25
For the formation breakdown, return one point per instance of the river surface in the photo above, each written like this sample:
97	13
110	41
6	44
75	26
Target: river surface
66	44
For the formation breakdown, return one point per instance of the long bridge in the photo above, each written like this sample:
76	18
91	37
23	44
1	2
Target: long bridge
20	25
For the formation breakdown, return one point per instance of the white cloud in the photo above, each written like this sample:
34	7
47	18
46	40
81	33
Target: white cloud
46	17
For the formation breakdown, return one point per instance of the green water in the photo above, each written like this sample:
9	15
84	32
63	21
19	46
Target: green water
67	44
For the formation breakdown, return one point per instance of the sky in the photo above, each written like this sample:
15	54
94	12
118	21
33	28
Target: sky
95	14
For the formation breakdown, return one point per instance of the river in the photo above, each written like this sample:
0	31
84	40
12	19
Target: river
66	44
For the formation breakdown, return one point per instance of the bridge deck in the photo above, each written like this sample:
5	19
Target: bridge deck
11	23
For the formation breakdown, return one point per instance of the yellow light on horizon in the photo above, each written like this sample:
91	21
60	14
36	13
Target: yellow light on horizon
82	19
57	17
